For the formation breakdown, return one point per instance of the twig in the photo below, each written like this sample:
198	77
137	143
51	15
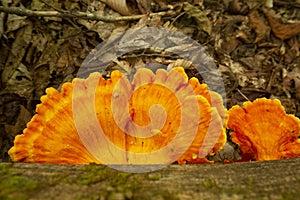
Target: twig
244	96
77	14
177	17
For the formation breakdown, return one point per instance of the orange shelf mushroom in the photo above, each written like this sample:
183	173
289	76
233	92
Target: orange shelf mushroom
264	131
155	119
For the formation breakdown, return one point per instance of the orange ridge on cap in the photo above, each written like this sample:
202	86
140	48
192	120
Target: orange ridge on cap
51	135
264	131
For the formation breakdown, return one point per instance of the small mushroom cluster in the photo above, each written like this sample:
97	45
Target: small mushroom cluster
157	118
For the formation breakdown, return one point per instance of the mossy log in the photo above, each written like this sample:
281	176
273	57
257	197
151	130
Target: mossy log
249	180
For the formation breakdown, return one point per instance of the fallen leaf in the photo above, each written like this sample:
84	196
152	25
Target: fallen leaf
20	83
293	52
23	37
15	22
121	6
292	80
283	31
22	119
204	24
257	23
10	108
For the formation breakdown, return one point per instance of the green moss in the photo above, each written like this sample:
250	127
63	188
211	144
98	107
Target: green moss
286	196
236	191
94	174
111	183
153	176
210	183
15	197
55	179
227	38
90	178
3	166
214	187
286	16
107	183
16	184
4	169
249	181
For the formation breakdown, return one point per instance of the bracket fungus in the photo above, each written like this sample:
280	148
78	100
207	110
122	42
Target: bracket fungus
137	118
264	131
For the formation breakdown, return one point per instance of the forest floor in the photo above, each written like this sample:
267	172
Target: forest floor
253	44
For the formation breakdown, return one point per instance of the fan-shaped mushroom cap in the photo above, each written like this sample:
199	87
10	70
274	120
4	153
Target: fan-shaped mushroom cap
117	122
264	131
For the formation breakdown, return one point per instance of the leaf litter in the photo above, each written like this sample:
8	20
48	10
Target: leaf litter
255	47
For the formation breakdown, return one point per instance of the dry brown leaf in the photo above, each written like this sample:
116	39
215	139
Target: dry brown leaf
144	6
230	45
292	78
22	119
23	37
9	108
204	24
103	29
15	22
121	6
293	52
237	7
283	31
20	82
257	23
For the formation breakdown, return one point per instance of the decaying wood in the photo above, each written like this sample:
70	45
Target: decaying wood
252	180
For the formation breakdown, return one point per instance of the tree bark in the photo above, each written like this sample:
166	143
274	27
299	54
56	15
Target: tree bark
249	180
